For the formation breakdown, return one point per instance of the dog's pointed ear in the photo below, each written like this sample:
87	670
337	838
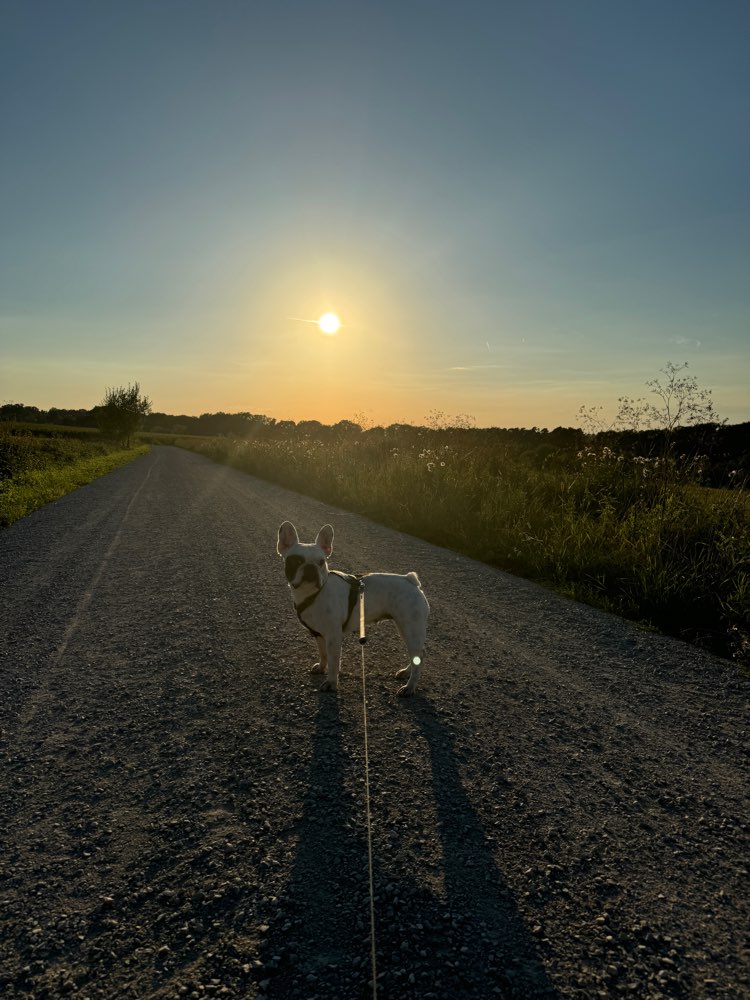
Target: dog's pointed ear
325	539
287	538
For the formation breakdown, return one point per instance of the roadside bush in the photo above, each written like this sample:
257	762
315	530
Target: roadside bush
17	452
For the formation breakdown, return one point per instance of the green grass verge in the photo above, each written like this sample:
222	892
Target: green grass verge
34	488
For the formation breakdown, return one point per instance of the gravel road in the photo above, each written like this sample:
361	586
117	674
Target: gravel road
560	811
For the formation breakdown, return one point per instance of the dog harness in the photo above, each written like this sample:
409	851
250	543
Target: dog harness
351	580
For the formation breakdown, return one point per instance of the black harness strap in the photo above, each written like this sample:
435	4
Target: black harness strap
351	580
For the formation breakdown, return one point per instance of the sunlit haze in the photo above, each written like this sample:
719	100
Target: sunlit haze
514	209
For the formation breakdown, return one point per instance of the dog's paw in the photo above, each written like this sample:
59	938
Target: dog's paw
318	669
403	673
328	686
405	691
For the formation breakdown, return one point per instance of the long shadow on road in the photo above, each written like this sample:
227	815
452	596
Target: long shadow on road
469	943
503	952
313	946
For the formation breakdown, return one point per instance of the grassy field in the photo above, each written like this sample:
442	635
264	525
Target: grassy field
42	462
639	537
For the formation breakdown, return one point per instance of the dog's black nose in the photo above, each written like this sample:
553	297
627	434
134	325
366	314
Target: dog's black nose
310	573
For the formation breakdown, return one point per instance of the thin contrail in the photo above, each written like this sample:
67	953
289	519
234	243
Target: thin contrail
471	368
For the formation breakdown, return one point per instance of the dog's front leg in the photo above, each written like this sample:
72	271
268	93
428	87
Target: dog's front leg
333	655
320	667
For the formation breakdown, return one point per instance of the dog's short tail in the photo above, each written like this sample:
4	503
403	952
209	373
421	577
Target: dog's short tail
413	578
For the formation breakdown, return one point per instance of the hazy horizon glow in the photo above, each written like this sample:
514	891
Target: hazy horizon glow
515	209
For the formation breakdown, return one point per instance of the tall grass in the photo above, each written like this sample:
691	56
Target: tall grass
38	467
635	536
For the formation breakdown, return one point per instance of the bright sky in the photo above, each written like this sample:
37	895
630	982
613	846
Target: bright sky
515	208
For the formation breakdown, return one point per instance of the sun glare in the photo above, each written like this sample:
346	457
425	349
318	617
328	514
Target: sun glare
329	323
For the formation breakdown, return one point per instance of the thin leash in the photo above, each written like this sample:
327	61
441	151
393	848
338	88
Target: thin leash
362	641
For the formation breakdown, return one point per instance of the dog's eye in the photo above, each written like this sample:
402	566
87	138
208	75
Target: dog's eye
320	562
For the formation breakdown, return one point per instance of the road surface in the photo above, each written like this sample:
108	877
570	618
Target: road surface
560	811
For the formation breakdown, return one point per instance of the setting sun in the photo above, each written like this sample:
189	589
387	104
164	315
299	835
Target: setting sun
329	323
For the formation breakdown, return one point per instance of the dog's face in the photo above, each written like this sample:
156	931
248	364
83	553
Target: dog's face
305	563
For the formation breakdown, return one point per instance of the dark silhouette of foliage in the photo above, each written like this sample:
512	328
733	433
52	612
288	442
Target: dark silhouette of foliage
121	412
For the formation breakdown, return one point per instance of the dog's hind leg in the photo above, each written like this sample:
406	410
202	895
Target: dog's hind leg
412	673
414	635
321	666
333	654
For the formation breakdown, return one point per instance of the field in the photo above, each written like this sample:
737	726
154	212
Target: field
42	462
637	536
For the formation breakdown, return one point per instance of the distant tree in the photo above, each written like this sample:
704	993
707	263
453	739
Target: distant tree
19	411
680	402
346	428
310	427
567	437
285	428
120	413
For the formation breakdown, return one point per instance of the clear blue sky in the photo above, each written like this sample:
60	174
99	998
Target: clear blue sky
515	208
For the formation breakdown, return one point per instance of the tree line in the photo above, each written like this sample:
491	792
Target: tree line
726	447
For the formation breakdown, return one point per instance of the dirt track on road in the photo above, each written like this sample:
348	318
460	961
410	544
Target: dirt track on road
562	810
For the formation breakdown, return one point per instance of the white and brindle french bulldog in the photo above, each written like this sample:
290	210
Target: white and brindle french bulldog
326	603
